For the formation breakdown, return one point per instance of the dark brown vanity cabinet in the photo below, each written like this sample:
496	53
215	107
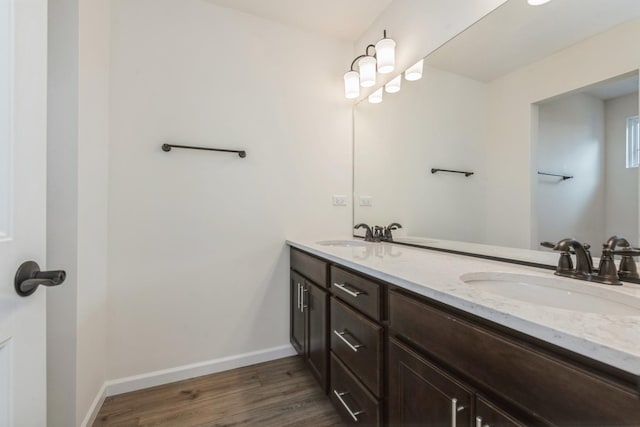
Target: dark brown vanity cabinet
536	384
387	356
309	303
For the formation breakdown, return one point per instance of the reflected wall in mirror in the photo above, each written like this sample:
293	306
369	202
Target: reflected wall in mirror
490	102
583	137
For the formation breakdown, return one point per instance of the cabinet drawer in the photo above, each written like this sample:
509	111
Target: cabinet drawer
310	267
357	341
353	401
421	394
357	291
559	392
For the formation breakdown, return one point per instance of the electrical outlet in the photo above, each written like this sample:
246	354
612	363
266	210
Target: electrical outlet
339	200
366	201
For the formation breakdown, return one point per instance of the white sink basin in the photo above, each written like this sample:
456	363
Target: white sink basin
552	292
344	243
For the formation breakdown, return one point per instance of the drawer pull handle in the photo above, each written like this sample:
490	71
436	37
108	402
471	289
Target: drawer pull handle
341	335
479	423
303	305
454	411
344	288
353	414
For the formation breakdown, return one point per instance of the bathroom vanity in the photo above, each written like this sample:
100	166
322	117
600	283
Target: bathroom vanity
405	336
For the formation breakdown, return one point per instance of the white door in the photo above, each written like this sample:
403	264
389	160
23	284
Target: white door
23	88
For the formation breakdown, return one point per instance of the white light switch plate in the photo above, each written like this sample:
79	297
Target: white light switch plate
339	200
366	201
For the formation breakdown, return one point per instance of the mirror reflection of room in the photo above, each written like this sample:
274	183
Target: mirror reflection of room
476	109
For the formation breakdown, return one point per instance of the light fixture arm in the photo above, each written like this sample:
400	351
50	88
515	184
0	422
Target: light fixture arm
381	60
366	53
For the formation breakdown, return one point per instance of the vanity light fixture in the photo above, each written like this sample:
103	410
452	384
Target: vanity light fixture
376	97
414	72
367	66
351	85
383	61
537	2
394	85
386	54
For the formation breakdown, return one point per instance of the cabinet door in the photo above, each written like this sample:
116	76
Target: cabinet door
315	305
297	325
489	415
422	394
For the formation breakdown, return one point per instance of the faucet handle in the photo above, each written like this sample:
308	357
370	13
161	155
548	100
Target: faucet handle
607	272
628	268
386	232
627	252
565	263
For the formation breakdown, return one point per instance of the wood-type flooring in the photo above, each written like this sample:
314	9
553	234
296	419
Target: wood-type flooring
277	393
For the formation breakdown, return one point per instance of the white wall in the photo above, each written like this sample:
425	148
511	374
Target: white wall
436	122
77	205
621	183
571	141
62	213
198	266
93	152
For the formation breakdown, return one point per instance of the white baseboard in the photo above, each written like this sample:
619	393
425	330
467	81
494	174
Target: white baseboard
166	376
92	413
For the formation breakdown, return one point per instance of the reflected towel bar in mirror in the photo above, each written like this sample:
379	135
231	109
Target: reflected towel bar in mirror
168	147
467	174
564	177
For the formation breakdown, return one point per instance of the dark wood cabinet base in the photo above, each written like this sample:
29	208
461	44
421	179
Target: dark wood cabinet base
388	356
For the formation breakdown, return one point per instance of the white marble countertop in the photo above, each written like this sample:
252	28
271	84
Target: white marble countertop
608	338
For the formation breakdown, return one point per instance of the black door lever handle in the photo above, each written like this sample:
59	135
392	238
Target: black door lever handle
29	277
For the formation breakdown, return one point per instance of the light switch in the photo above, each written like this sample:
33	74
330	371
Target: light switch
339	200
366	201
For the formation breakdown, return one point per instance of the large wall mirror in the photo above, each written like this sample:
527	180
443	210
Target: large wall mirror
540	104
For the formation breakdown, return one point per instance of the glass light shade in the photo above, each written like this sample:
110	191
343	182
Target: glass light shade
386	55
376	97
351	84
537	2
367	67
394	85
414	72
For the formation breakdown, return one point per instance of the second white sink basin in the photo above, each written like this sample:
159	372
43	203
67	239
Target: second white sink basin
551	292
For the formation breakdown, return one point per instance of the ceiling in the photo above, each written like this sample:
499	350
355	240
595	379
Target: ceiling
341	19
615	88
516	34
